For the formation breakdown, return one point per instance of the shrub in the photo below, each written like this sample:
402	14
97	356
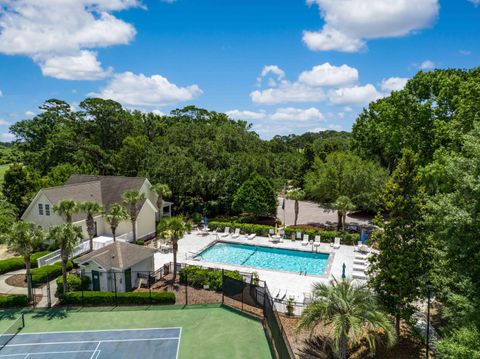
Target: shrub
74	283
13	300
16	263
326	236
140	242
49	272
199	277
108	298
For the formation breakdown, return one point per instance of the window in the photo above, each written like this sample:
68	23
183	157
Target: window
47	209
40	209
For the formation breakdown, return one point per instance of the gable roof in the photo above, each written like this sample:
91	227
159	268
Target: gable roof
119	254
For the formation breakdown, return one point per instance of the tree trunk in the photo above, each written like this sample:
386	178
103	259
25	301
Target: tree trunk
64	274
114	230
90	230
134	230
29	278
397	323
160	207
342	347
339	215
344	220
296	212
175	249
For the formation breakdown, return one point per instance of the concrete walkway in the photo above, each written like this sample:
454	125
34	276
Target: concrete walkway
310	212
7	288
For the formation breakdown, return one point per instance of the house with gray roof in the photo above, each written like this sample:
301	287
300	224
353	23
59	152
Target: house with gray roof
105	190
119	266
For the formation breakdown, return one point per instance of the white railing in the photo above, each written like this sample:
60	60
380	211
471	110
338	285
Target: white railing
54	257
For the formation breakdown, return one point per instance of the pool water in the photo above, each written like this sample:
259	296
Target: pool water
266	257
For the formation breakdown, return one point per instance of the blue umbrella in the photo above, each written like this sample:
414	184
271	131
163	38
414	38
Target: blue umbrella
363	236
344	267
205	221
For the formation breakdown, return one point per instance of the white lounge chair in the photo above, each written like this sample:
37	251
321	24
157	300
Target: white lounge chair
357	247
251	236
317	241
226	232
336	243
305	240
237	233
271	232
274	239
298	235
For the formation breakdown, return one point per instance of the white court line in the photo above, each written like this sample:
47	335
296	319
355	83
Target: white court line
26	355
92	341
178	344
93	331
96	348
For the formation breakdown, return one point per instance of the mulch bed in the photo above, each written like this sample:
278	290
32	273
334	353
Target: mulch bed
18	280
407	346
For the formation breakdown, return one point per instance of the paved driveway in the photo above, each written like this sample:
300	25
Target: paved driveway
311	213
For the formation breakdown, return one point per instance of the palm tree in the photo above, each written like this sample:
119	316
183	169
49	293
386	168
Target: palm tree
66	236
114	215
24	238
296	195
162	191
90	209
351	313
66	209
173	229
131	201
343	205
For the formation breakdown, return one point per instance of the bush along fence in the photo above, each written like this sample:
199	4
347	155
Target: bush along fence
326	236
16	263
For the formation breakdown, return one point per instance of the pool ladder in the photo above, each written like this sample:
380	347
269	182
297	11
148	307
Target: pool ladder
303	272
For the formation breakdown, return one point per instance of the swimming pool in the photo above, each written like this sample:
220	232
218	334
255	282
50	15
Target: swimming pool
266	257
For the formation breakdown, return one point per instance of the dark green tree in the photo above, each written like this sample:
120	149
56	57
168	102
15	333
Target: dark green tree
256	197
20	185
400	268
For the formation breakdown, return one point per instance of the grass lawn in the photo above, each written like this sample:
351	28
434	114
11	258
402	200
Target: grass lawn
209	331
3	169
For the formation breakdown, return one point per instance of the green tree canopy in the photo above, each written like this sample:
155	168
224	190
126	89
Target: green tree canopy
256	196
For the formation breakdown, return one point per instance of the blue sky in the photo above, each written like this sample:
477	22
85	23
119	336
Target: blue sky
322	60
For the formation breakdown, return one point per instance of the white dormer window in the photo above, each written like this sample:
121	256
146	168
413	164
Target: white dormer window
40	209
47	209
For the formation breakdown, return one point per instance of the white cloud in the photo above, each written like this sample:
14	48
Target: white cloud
281	114
427	65
290	113
329	127
51	32
29	113
140	90
356	95
328	75
81	66
288	92
4	122
466	52
274	70
246	115
476	2
393	84
7	137
350	23
1	93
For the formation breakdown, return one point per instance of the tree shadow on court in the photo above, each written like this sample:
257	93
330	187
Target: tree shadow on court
51	314
9	314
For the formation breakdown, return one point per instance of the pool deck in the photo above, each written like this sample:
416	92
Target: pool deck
293	284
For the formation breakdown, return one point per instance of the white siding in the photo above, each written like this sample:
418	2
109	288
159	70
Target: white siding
32	213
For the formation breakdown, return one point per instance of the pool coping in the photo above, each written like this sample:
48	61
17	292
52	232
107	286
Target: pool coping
325	275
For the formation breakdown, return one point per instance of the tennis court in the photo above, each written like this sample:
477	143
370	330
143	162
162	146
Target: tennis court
207	332
103	344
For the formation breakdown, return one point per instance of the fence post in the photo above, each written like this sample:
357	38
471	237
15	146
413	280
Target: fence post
49	299
243	290
115	287
186	288
223	286
150	287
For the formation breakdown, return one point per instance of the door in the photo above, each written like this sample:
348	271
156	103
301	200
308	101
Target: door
95	280
96	230
128	280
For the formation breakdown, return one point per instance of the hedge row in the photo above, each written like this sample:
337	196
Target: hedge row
326	236
16	263
13	300
199	277
74	283
49	272
109	298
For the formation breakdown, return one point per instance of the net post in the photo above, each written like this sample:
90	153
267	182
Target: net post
115	287
23	320
186	288
149	287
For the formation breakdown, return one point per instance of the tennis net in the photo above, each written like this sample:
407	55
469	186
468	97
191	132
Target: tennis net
11	331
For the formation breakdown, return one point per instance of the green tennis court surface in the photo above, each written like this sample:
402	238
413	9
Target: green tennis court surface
206	332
